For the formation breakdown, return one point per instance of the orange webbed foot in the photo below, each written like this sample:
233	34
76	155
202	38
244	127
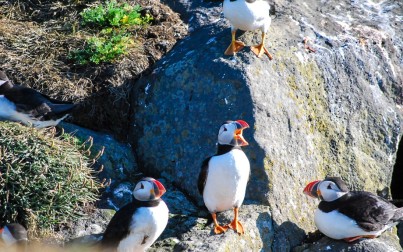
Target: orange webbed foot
351	239
234	47
237	226
259	50
220	229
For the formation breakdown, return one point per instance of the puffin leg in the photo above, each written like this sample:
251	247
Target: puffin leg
235	224
351	239
235	45
217	228
259	50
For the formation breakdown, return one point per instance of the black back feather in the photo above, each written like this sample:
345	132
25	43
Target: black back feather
371	212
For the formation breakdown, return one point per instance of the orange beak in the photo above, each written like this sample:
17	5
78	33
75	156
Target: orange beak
240	140
312	190
159	189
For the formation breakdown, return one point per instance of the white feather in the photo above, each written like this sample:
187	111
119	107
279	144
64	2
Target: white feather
146	222
338	226
226	181
8	111
248	16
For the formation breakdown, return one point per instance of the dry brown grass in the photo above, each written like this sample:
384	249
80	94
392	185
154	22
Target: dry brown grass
36	37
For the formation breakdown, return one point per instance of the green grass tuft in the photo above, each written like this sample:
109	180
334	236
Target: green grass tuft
44	180
114	38
115	15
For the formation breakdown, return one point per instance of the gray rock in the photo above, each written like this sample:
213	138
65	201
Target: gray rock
192	233
117	160
333	112
386	242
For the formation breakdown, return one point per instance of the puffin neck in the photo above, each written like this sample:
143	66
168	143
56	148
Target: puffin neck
149	203
224	148
328	206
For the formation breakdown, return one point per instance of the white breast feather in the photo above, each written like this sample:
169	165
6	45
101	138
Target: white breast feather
338	226
148	221
248	16
226	181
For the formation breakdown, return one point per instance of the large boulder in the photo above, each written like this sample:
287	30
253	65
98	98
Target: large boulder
330	112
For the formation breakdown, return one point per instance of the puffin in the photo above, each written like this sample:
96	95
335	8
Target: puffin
223	177
14	234
30	107
350	215
137	225
248	15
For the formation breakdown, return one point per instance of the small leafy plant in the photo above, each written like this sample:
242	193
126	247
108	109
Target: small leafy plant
114	39
102	49
114	14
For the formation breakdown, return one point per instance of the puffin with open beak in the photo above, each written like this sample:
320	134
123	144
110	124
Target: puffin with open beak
224	176
137	225
351	215
248	15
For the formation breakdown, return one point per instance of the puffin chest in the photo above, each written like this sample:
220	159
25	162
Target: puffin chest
146	225
246	16
226	181
339	226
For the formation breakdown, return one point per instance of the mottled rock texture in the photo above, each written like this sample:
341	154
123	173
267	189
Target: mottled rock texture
333	112
387	242
115	163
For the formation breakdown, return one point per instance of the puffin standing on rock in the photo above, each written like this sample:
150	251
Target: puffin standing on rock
28	106
223	177
248	15
14	234
136	226
342	214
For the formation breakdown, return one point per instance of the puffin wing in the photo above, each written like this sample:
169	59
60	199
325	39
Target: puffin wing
30	101
118	227
371	212
203	175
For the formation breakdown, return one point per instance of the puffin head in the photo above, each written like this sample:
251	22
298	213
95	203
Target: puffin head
329	189
148	189
230	133
13	233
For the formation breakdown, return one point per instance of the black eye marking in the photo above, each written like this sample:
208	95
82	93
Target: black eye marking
329	187
225	129
142	186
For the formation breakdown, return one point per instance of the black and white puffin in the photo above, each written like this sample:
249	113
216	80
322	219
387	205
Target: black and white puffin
28	106
138	224
223	177
14	234
342	214
248	15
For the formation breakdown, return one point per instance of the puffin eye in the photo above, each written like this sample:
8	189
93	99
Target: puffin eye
225	129
329	187
141	186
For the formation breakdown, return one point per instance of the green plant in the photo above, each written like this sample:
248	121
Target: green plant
114	14
44	180
113	40
102	49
